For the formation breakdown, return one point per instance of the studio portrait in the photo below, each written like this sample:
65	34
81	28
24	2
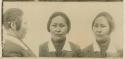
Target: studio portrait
82	0
58	46
17	0
102	26
14	31
63	0
62	30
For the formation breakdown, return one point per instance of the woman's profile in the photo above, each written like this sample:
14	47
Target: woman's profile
14	32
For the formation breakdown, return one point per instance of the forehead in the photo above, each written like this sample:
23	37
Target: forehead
102	20
58	19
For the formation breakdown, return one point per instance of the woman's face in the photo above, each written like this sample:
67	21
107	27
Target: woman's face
23	29
58	27
101	27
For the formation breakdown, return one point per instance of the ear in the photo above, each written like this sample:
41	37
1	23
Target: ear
13	25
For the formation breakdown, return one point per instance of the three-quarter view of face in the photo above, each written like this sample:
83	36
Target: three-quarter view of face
102	25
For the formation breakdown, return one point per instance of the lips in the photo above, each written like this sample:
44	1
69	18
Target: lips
58	34
99	34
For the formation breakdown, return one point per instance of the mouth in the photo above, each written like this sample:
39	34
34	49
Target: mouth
99	35
58	34
102	41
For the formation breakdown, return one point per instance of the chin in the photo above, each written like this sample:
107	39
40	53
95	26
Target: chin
100	39
59	37
100	35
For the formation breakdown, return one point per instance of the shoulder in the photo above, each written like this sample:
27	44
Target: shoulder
87	51
120	52
12	46
75	49
12	49
74	46
44	45
89	47
115	50
43	49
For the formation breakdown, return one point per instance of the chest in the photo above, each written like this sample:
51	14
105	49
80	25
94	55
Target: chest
61	54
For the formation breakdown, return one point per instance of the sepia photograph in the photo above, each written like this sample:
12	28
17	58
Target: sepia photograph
70	30
65	0
16	0
84	0
14	30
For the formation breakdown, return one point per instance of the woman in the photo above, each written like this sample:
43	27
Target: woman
82	0
14	32
59	25
102	27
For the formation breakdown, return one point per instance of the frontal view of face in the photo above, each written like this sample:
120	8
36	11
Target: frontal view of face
58	27
101	27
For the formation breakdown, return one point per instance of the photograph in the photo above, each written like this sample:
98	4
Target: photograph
75	30
82	0
16	0
62	0
14	31
59	25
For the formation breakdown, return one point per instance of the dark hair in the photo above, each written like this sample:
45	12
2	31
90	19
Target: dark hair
62	15
12	15
109	19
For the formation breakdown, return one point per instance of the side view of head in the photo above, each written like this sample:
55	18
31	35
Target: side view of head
12	21
103	24
59	24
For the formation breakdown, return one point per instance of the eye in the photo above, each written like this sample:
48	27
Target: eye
95	25
54	25
103	26
61	25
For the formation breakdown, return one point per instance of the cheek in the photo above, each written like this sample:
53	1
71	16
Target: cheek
65	29
51	29
106	30
18	26
94	29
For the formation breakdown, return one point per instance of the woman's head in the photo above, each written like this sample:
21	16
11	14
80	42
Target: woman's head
59	24
12	20
103	24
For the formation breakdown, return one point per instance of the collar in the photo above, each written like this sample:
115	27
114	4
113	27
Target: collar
111	48
66	47
9	36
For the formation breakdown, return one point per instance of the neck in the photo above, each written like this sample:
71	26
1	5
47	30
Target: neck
12	33
103	43
58	40
15	34
59	43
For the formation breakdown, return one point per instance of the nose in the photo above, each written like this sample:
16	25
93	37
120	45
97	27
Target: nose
58	30
99	30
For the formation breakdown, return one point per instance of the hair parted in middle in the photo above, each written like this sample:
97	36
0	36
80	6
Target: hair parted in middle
62	14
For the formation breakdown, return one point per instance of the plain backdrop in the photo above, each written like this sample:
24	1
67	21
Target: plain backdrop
81	15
